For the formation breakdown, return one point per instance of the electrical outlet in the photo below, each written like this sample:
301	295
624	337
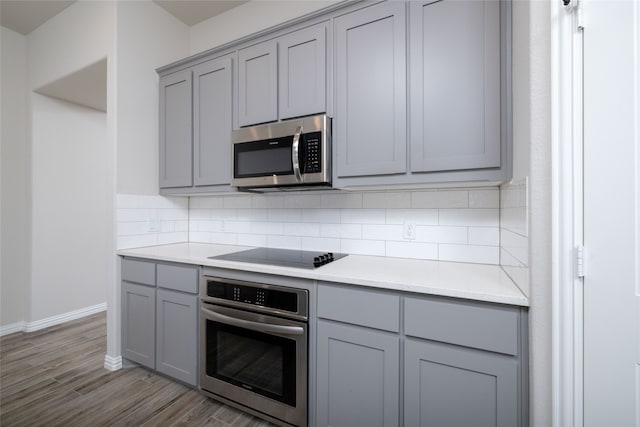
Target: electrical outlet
409	230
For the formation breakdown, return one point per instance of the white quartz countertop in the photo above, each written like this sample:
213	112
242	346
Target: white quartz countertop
479	282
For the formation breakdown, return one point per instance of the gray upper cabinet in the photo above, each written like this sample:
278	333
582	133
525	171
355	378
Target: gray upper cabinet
370	135
302	57
212	105
455	85
258	83
175	130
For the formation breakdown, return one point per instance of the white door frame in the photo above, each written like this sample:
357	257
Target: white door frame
567	214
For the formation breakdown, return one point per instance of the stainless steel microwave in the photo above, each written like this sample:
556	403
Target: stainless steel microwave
292	154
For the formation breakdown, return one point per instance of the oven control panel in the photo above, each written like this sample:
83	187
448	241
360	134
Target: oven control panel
277	299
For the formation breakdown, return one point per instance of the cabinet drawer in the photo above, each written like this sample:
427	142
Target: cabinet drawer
481	326
179	278
138	271
359	307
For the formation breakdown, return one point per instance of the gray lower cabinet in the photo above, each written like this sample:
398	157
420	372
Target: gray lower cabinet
159	317
458	386
393	358
139	324
176	335
358	376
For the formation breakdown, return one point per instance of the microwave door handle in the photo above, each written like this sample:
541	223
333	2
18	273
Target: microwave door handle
295	159
254	326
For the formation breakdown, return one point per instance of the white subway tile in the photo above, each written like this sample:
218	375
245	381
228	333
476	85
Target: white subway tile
363	247
488	236
384	200
267	228
267	202
237	202
213	202
440	199
148	202
322	216
341	200
236	226
441	234
172	214
176	237
182	225
131	228
173	202
302	201
417	216
484	198
127	201
308	229
363	216
470	217
167	226
469	253
249	215
199	214
344	231
223	214
136	215
199	237
381	232
284	242
320	244
252	240
284	215
412	250
224	238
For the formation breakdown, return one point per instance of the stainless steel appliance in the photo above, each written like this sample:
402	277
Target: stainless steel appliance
293	154
253	347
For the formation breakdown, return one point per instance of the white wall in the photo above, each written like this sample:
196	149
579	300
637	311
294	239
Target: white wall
148	37
15	169
247	19
73	174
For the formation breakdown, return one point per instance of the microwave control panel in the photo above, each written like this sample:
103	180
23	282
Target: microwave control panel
312	152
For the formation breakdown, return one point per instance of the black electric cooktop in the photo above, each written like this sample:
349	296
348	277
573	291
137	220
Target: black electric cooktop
282	257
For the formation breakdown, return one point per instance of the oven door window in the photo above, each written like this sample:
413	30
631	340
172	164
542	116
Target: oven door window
259	362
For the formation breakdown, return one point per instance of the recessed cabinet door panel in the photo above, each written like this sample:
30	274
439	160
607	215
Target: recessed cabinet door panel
456	386
302	56
258	84
358	376
139	323
212	122
370	122
175	130
455	85
177	327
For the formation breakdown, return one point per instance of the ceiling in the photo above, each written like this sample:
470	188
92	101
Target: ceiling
24	16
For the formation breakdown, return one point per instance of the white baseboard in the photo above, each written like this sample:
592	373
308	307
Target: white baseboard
52	321
112	363
12	328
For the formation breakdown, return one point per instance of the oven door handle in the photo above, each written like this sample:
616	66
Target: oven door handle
254	326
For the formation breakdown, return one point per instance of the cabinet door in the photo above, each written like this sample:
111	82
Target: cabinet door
176	341
258	84
457	386
455	85
302	58
175	130
357	376
212	122
370	122
139	323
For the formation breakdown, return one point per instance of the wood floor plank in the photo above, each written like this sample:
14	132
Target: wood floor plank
56	377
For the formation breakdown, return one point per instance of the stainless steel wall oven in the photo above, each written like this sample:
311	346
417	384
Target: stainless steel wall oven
254	347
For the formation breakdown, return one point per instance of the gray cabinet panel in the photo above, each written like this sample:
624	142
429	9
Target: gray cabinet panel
175	130
177	332
139	323
302	72
455	85
212	103
358	377
178	277
258	84
359	307
137	271
370	122
484	326
453	386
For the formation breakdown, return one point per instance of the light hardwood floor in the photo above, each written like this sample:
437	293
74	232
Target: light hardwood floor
55	377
